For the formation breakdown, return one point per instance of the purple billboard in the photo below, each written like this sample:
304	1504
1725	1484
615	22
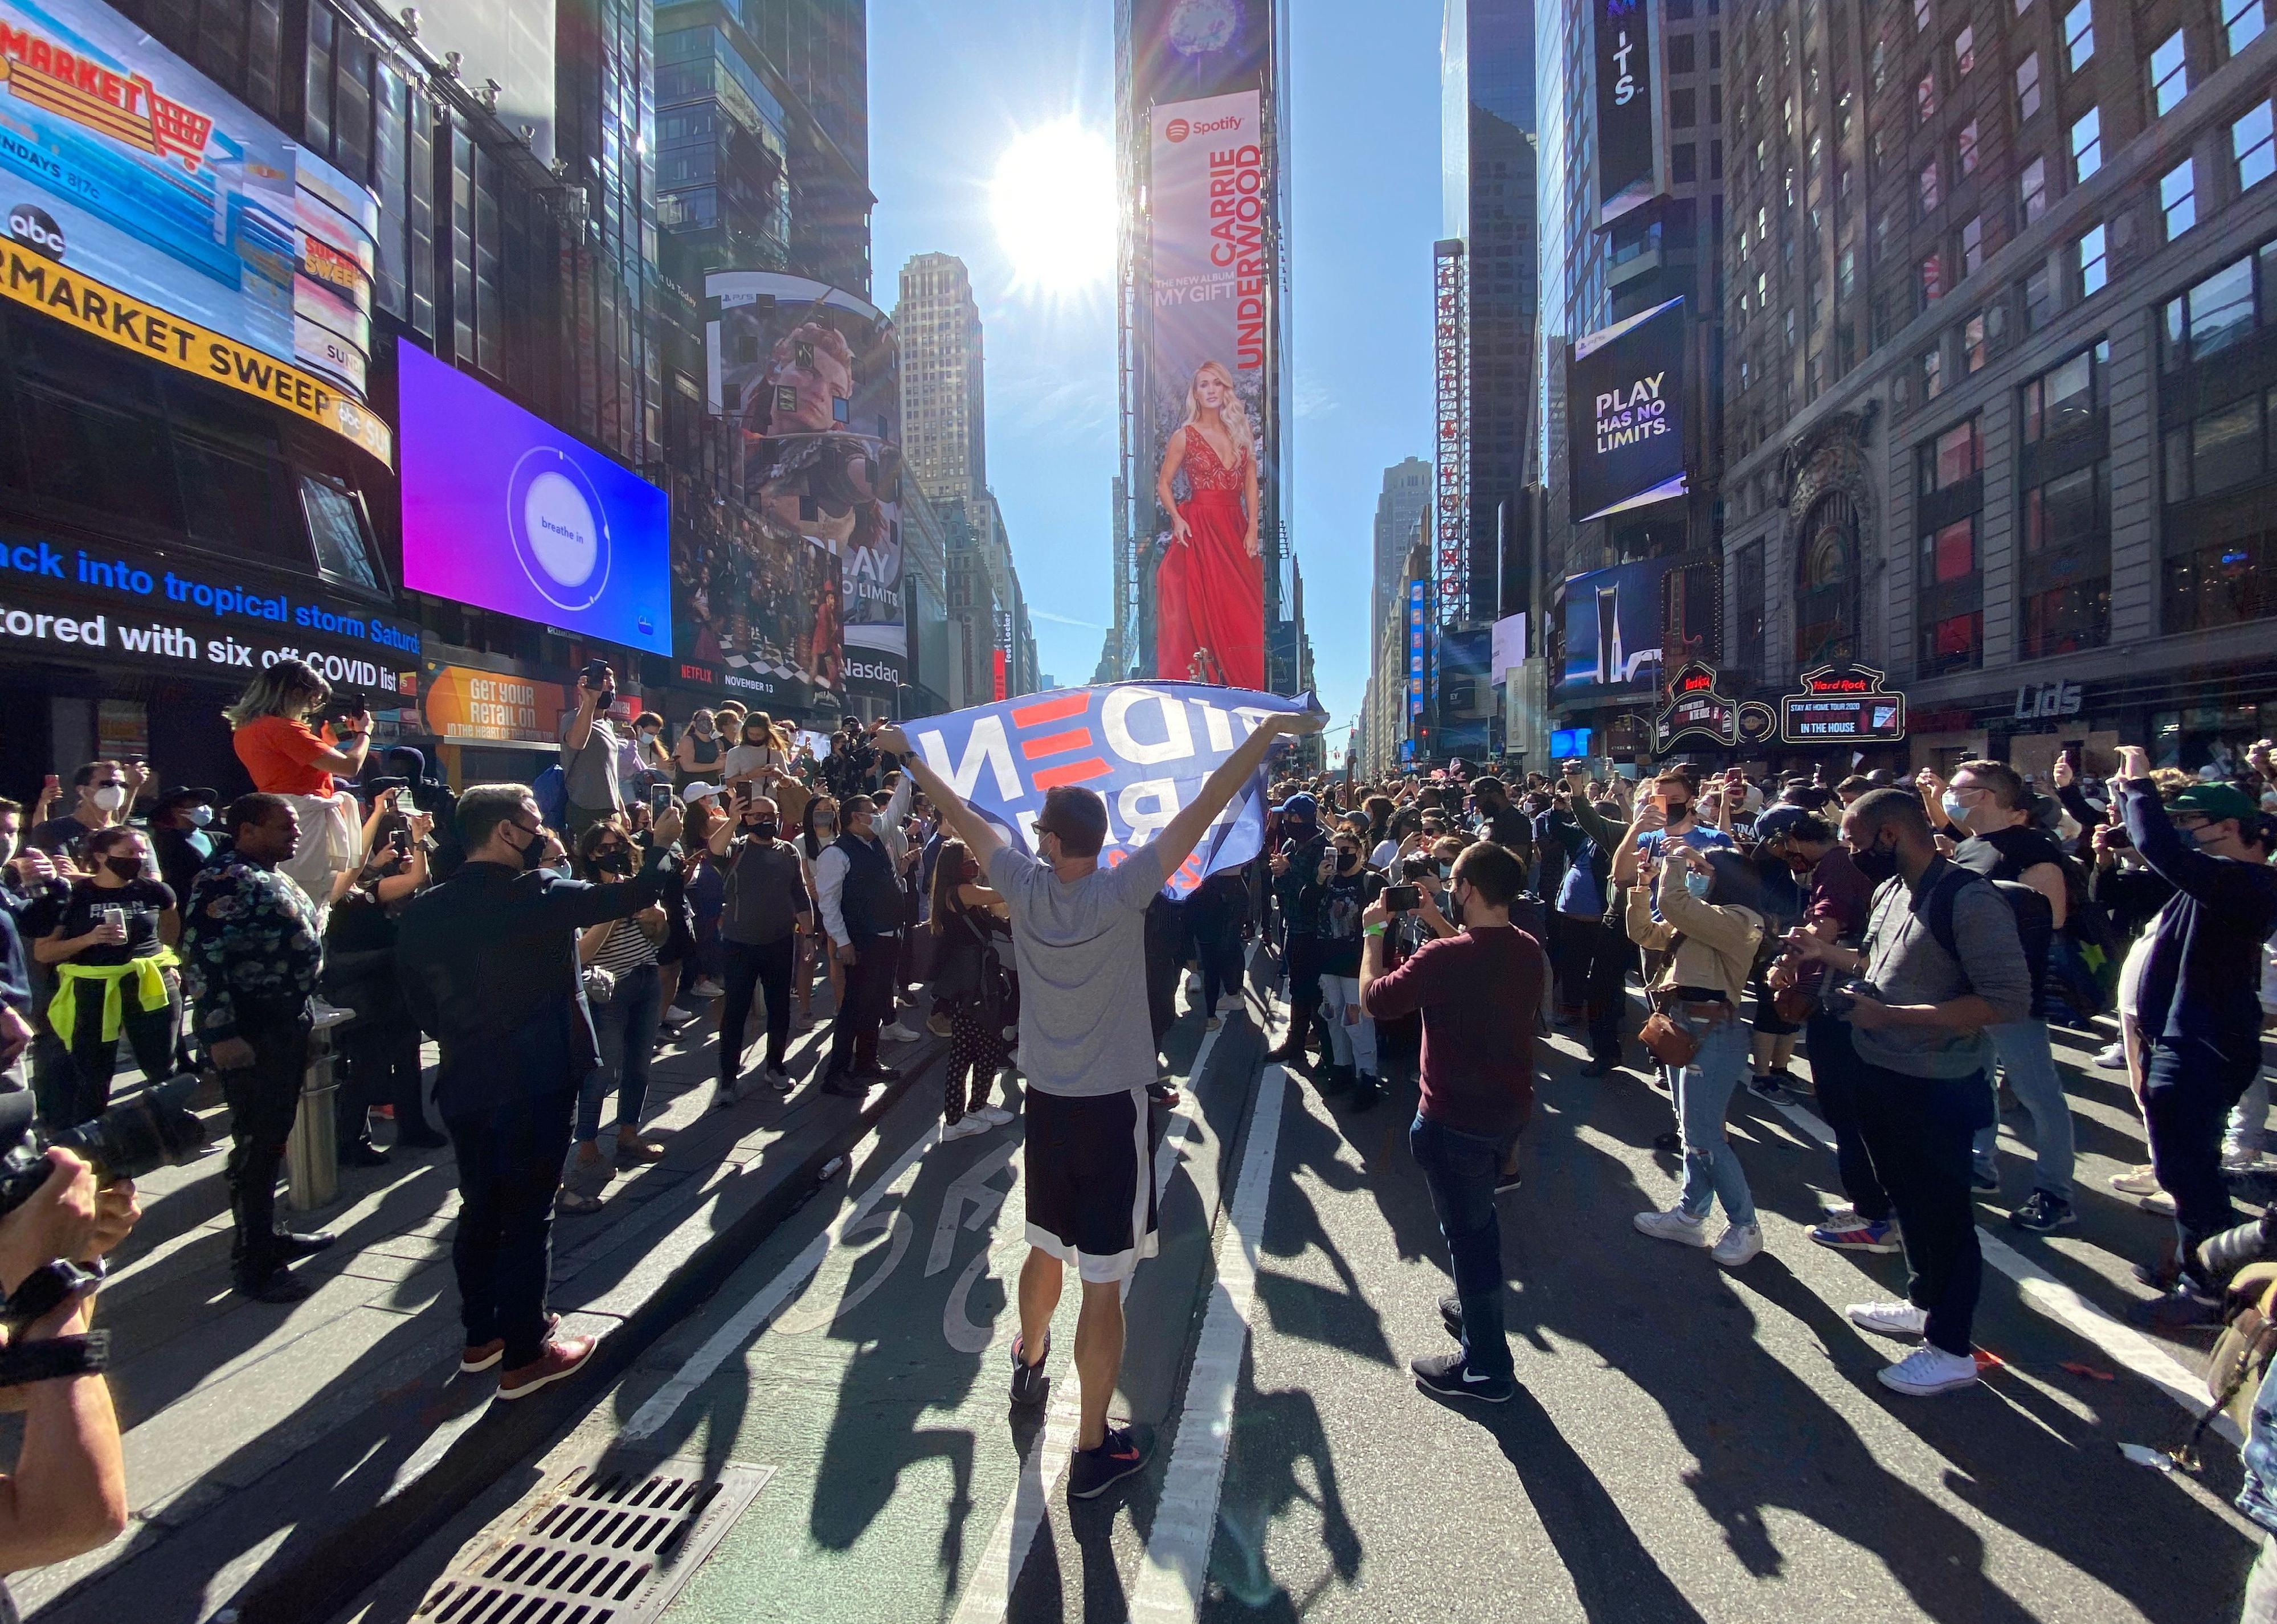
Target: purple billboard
503	511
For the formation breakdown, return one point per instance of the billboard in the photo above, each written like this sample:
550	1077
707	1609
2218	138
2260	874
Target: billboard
1613	622
1629	170
1418	598
1624	403
1465	684
1509	647
505	511
1185	49
810	377
150	187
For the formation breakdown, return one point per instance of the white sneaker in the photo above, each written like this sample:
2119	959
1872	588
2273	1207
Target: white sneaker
896	1033
1889	1319
994	1115
2136	1181
1928	1370
707	988
2112	1058
2161	1202
2242	1160
966	1127
1673	1225
1740	1243
1230	1003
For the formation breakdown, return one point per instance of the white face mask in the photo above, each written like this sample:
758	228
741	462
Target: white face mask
110	797
201	815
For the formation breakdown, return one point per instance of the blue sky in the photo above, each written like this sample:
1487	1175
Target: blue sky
953	82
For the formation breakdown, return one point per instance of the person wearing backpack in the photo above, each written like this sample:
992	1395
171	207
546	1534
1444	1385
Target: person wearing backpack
2198	1004
1988	809
1919	1001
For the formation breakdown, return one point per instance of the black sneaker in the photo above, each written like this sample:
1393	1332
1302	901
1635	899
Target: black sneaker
1451	1314
1795	1085
362	1153
1446	1375
2044	1214
2183	1308
846	1086
1765	1087
1600	1068
279	1285
877	1072
1982	1183
1125	1450
1509	1181
291	1247
1366	1096
1029	1382
1669	1144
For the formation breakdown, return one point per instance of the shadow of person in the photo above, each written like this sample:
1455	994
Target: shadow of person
1273	1431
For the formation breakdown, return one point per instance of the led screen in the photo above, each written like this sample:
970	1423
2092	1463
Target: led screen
503	511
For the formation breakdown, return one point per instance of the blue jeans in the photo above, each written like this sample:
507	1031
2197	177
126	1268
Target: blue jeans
1460	1168
2023	1050
626	1026
1704	1095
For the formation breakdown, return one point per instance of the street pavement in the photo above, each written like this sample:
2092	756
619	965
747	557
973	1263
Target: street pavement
1689	1443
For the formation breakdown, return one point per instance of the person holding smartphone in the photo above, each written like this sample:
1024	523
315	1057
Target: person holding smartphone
113	955
590	780
381	1045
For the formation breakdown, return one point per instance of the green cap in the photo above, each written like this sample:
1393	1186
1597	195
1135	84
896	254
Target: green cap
2217	802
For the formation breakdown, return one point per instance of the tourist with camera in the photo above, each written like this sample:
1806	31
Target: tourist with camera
112	950
252	951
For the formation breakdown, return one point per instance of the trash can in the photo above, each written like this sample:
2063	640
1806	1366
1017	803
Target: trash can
312	1156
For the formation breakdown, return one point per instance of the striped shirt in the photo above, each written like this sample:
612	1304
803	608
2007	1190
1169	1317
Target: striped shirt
625	950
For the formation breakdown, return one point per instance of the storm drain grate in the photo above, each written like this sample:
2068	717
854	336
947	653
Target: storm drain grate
601	1545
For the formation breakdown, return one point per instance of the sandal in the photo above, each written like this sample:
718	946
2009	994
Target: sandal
634	1153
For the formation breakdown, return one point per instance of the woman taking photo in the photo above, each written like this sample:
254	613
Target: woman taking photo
625	1001
113	954
284	756
969	922
818	826
697	757
1709	939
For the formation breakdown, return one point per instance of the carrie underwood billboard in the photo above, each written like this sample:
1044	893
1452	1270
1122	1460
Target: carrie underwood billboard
1209	399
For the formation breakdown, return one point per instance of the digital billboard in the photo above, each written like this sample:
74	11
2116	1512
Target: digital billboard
810	377
1624	404
1628	108
148	186
1613	623
503	511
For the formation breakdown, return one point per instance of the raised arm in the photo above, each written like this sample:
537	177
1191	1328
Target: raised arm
1180	835
979	834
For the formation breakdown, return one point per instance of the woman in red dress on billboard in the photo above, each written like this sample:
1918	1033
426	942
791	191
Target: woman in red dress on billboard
1209	589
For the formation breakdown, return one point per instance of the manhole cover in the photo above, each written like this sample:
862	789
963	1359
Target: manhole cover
599	1546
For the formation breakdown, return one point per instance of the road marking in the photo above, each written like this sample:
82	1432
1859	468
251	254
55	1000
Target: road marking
753	1317
2044	1294
1185	1517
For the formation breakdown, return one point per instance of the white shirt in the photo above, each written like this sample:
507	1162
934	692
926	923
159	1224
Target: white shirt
830	867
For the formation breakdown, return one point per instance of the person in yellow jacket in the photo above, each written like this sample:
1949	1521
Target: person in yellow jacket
113	953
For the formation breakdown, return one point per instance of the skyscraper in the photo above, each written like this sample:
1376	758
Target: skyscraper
1406	497
944	417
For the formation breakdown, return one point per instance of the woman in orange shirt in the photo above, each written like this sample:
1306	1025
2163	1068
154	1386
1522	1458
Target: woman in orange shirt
271	733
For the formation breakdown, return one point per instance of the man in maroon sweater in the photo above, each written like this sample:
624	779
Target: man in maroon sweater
1479	994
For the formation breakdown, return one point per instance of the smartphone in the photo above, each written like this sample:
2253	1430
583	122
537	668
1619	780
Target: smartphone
1402	898
52	781
742	792
595	674
401	843
659	798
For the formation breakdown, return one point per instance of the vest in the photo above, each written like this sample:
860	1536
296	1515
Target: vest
870	902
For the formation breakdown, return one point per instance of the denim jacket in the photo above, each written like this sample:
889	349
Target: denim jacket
2258	1499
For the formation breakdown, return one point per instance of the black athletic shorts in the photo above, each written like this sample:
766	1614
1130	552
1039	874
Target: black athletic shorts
1091	1181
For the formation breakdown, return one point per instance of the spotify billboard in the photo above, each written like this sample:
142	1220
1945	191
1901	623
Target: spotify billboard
503	511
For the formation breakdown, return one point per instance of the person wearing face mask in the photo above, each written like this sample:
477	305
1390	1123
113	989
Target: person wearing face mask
1706	932
1985	808
380	1046
179	836
591	780
698	750
489	961
818	829
1296	869
857	888
969	924
2197	1003
1941	961
113	954
765	906
252	955
105	790
1347	887
627	1001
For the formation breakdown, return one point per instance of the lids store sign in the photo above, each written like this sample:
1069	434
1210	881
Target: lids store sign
2044	701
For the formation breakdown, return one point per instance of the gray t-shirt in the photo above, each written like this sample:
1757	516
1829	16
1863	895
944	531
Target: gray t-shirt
590	775
1081	948
1906	964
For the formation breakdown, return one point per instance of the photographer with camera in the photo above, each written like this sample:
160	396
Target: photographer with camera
270	734
1942	962
591	778
113	954
252	951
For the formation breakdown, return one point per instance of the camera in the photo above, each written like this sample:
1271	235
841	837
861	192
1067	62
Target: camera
128	1141
374	788
1840	997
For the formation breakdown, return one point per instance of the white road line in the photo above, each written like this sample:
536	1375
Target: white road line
1185	1518
764	1305
2044	1294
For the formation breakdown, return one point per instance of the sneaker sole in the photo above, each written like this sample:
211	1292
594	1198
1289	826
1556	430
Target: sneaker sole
1701	1244
544	1382
1911	1391
479	1367
1891	1331
1881	1247
1474	1394
1130	1470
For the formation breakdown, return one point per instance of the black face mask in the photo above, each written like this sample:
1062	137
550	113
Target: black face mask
1348	861
125	868
533	855
766	828
1678	811
1876	864
614	862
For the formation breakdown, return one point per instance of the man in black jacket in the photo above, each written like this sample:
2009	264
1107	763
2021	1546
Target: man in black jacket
1296	885
767	899
489	960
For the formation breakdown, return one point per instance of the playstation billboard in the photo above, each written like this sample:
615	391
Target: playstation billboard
1624	406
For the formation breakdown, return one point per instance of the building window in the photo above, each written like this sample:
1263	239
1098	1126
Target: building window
1826	584
1964	50
2093	260
1972	246
2087	144
1932	279
1845	273
1933	374
2079	35
1952	457
1787	322
2242	22
2066	398
2034	185
2039	292
2249	144
1925	97
2170	73
1964	149
1931	195
2215	451
2213	315
1683	108
2178	199
2028	86
1684	162
1921	15
1972	343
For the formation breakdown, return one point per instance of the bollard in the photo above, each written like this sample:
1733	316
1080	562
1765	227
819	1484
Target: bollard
312	1156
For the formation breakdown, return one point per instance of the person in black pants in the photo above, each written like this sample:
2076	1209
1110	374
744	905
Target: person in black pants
1214	914
1296	884
381	1046
858	884
488	966
2199	1003
250	960
765	902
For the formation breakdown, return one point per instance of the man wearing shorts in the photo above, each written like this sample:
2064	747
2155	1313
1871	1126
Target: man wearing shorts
1087	1051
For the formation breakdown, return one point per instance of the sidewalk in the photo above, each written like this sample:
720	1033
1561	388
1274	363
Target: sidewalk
278	1458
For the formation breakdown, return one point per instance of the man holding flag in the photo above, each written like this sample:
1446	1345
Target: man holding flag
1078	934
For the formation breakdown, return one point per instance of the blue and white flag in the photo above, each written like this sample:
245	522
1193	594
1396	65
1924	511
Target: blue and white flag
1144	747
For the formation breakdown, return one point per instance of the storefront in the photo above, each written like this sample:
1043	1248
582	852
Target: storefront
489	720
2186	719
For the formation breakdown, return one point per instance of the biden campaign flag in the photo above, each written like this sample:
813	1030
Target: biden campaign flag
1144	747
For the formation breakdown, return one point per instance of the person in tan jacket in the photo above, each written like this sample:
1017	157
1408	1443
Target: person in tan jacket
1710	941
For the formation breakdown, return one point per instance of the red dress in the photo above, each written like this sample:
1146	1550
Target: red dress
1209	592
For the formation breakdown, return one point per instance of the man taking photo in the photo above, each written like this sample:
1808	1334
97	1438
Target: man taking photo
590	758
1078	937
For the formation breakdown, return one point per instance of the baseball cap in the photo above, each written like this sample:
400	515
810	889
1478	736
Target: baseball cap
698	792
1782	820
2217	802
1300	805
181	795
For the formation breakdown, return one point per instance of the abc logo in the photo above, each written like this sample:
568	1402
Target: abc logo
36	229
1176	130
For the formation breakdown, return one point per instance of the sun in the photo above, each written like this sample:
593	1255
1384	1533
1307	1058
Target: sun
1053	203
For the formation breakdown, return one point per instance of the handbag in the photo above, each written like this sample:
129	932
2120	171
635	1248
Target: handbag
600	985
1668	1043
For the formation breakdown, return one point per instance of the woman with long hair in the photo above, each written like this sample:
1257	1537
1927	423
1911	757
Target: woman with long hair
697	756
113	954
626	1008
817	827
762	753
269	731
1209	587
969	922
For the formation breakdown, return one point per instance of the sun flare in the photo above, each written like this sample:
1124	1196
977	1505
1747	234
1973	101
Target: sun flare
1053	203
